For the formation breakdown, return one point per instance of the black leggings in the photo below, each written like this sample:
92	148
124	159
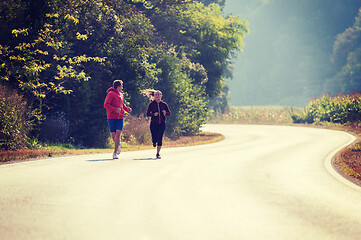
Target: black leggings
157	131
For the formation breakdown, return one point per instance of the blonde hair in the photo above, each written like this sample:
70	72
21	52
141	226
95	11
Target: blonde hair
150	93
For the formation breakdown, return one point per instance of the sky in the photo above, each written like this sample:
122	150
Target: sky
286	58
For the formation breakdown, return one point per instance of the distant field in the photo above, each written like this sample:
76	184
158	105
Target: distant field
256	115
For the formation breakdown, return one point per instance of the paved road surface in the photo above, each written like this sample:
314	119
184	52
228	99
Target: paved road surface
261	182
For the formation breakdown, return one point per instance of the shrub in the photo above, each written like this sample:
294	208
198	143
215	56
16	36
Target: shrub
339	109
136	130
15	120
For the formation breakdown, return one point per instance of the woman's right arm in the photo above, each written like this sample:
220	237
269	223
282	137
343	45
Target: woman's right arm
149	112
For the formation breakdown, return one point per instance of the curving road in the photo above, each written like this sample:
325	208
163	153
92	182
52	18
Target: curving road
261	182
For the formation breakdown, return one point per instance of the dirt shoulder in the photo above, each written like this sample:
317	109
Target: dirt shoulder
347	162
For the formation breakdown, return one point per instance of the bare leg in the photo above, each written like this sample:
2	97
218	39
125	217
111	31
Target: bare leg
116	139
158	149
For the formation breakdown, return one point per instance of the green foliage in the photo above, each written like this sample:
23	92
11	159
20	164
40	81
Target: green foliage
65	60
202	35
40	66
185	99
340	109
347	58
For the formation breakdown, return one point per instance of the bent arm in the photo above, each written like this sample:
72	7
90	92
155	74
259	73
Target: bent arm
127	109
167	110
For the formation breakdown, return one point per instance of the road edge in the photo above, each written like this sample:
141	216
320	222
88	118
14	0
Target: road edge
331	167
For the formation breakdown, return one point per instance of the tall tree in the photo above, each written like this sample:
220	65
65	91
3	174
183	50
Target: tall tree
347	59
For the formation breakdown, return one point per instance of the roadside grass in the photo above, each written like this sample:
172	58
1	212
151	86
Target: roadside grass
60	150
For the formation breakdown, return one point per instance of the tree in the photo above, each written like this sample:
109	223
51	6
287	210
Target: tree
203	36
41	64
347	57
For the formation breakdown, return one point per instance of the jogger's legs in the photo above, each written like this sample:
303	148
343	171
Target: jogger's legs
154	132
116	127
116	139
158	149
161	129
157	131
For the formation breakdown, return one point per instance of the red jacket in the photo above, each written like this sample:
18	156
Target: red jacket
113	101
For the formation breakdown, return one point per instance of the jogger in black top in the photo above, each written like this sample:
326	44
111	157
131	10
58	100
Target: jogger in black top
157	110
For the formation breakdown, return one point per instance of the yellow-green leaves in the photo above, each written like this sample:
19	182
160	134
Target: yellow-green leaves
39	63
81	36
71	18
17	32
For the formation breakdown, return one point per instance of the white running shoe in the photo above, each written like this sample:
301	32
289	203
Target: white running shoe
119	150
115	156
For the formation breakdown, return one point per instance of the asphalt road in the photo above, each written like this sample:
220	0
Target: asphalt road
261	182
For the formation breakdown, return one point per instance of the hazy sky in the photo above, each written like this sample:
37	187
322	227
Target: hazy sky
286	58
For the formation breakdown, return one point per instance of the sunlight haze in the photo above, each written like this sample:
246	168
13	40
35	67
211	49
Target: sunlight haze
287	55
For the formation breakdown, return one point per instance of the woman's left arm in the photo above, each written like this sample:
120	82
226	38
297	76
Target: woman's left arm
167	111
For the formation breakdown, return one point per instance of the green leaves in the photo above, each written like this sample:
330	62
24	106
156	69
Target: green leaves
17	32
201	34
340	109
40	65
66	64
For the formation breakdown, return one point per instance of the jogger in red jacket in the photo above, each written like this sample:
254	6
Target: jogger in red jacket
114	104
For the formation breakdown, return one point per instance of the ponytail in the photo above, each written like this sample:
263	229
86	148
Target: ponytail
150	93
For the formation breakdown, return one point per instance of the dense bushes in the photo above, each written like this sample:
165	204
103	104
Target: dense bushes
15	120
340	109
136	130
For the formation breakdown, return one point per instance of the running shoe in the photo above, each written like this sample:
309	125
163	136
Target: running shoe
115	156
158	156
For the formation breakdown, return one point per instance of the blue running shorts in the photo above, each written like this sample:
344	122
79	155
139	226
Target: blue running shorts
115	124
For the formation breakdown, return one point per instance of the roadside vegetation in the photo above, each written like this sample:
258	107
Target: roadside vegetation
275	115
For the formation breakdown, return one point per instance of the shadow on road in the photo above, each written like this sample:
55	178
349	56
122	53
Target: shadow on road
100	160
144	159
